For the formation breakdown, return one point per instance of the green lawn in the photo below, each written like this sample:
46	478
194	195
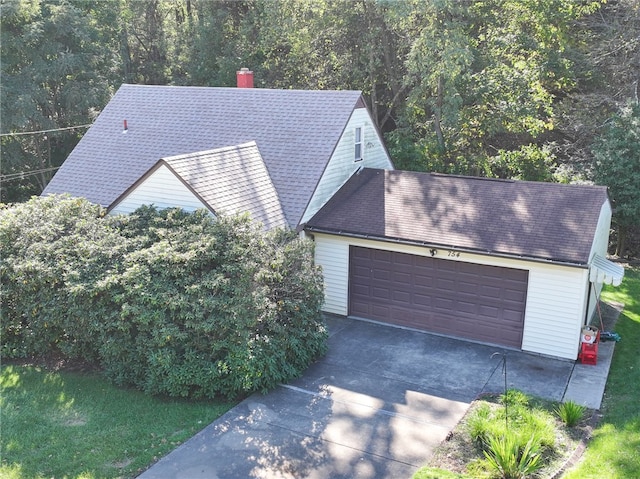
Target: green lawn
78	426
614	451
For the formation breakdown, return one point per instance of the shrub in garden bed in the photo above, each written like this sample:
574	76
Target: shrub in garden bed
173	303
507	436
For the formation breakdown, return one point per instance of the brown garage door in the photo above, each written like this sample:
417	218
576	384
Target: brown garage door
469	300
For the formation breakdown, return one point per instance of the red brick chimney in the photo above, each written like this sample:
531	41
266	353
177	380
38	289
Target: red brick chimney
244	78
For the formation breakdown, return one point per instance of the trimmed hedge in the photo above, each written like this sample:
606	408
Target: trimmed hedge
173	303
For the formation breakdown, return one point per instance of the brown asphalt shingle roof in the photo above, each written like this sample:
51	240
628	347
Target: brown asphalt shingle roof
295	130
532	220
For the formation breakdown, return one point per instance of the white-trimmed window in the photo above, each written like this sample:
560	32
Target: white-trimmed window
357	142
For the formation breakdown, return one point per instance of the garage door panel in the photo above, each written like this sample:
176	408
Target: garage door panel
466	307
467	288
512	316
360	290
490	291
378	310
475	301
381	256
401	277
361	270
382	293
489	312
515	296
445	284
422	299
360	309
381	274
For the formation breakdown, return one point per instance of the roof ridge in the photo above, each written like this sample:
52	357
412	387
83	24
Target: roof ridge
222	149
504	180
472	177
234	88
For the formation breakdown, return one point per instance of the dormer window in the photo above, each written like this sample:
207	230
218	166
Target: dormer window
357	144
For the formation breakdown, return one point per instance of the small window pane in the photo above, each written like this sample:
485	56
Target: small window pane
358	144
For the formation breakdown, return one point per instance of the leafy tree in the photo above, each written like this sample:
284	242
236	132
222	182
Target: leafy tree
484	77
617	165
529	162
606	61
56	67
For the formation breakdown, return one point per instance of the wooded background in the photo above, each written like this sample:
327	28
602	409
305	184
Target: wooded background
542	90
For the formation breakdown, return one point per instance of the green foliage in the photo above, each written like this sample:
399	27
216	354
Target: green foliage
529	162
49	246
173	303
613	448
514	398
516	418
616	165
57	64
484	77
460	81
511	460
513	436
570	413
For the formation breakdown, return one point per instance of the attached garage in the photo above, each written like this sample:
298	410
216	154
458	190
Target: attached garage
500	262
474	301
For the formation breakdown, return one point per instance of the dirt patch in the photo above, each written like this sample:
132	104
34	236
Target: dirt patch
609	313
126	462
76	421
54	362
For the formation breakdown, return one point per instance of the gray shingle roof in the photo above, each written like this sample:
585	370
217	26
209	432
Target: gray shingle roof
532	220
295	130
231	180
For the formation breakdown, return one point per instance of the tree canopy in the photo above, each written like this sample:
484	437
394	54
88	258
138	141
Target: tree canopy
501	88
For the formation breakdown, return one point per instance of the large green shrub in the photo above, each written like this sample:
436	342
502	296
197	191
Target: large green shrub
170	302
48	247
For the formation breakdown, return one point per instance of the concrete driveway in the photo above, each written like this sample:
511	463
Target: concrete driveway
374	407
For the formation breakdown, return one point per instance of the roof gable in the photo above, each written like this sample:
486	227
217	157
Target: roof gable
296	131
231	180
532	220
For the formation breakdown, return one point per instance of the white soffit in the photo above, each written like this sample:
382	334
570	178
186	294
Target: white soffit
601	270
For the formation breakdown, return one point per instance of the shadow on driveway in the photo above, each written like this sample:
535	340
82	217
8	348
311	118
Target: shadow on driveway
375	406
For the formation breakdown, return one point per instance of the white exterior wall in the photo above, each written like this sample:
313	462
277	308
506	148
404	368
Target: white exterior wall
599	246
162	189
556	296
342	165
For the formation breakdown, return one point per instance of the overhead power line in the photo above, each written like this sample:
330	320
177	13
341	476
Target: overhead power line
22	133
25	174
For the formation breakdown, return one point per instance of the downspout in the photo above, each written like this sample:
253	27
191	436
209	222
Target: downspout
586	312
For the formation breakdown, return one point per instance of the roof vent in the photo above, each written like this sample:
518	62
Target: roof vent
244	78
125	127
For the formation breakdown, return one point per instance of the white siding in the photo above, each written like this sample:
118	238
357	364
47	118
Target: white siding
333	255
161	189
556	297
556	303
342	165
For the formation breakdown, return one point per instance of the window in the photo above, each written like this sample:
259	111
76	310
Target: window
358	144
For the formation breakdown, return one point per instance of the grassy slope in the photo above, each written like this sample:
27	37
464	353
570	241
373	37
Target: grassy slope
77	426
614	451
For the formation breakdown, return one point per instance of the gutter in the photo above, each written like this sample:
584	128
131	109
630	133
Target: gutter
425	244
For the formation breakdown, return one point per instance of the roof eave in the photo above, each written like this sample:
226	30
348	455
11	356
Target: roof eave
427	244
